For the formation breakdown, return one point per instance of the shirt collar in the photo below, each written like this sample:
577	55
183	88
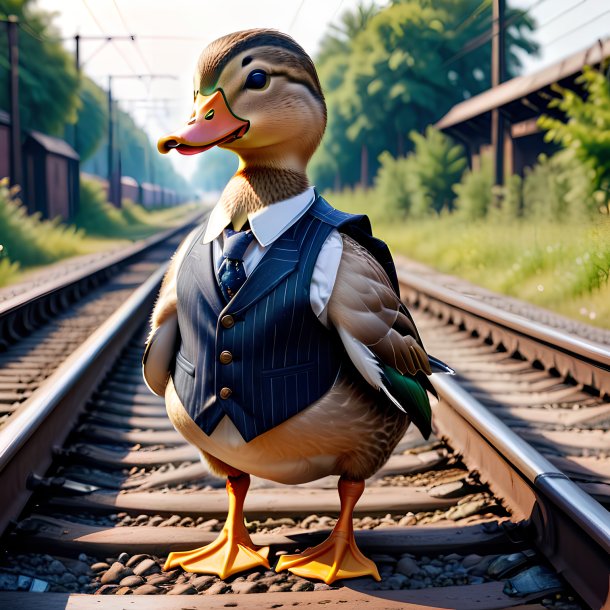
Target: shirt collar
268	223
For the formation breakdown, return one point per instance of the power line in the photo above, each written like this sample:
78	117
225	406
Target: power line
564	12
582	25
296	15
93	16
128	29
484	38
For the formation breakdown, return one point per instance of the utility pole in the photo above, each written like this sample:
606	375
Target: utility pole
77	62
15	135
111	185
114	178
498	75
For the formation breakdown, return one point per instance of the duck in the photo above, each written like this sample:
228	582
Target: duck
310	365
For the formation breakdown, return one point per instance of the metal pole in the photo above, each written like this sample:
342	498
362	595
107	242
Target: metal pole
77	62
111	197
498	75
15	136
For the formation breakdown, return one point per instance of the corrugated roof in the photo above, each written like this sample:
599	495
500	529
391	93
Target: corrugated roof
522	86
54	145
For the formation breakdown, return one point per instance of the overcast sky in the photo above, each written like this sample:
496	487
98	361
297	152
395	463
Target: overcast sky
171	34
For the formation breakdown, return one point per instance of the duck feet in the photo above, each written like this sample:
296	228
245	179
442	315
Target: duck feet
223	557
338	556
233	551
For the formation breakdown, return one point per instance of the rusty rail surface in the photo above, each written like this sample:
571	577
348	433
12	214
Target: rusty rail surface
44	421
572	529
585	361
21	314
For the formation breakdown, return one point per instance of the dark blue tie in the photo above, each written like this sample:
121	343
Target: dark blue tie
231	273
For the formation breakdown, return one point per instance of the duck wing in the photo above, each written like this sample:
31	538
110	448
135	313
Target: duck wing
379	334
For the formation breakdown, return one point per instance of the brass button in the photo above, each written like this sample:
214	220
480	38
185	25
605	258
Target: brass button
226	357
227	321
225	393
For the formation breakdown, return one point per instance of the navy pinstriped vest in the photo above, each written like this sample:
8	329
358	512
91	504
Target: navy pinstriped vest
264	356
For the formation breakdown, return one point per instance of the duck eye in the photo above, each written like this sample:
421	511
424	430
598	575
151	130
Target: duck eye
257	79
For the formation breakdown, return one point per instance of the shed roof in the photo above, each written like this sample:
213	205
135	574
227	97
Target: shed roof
525	97
54	145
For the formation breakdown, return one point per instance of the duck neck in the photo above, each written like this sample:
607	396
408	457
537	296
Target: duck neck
253	188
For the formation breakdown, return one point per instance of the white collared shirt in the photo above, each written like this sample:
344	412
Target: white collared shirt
267	225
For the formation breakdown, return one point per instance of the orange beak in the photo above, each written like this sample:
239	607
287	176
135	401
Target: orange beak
213	123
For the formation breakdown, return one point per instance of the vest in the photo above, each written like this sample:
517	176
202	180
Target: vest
264	356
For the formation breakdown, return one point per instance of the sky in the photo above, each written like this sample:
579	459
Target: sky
170	34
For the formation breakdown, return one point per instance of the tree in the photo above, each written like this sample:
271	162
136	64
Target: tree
587	129
405	68
92	118
48	80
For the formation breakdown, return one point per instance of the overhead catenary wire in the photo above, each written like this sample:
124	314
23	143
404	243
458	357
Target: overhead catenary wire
486	37
296	16
580	27
128	29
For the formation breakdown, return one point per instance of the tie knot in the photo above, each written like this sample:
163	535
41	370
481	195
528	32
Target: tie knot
236	243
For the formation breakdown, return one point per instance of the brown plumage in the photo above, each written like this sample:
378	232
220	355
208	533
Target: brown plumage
352	429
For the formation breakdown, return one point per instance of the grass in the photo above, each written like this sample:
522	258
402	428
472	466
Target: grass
27	242
562	267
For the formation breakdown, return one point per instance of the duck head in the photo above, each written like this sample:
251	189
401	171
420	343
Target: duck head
256	93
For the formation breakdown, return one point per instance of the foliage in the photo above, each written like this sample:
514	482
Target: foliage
423	181
214	169
587	130
438	163
395	183
399	69
48	81
98	217
92	119
28	240
560	187
474	192
563	266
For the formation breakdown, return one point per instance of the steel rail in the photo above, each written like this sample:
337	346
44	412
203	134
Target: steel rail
563	512
21	311
595	356
44	419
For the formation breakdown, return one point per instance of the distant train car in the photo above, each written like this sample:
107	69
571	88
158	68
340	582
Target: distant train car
130	189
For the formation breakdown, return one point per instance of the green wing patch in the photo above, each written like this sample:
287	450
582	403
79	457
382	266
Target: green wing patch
414	399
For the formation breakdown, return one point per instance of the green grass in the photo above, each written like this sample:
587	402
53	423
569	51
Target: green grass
27	242
562	267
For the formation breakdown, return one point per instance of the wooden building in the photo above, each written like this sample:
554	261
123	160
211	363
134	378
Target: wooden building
51	170
522	100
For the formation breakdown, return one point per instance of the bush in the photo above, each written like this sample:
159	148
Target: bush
95	215
395	183
29	240
560	187
474	192
438	164
423	181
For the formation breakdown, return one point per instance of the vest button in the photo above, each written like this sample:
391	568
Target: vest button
225	393
227	321
226	357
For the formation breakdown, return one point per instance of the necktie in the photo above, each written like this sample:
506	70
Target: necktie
232	274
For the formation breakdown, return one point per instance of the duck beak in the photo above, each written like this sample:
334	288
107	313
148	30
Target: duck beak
213	123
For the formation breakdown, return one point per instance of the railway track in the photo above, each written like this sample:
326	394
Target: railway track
99	487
